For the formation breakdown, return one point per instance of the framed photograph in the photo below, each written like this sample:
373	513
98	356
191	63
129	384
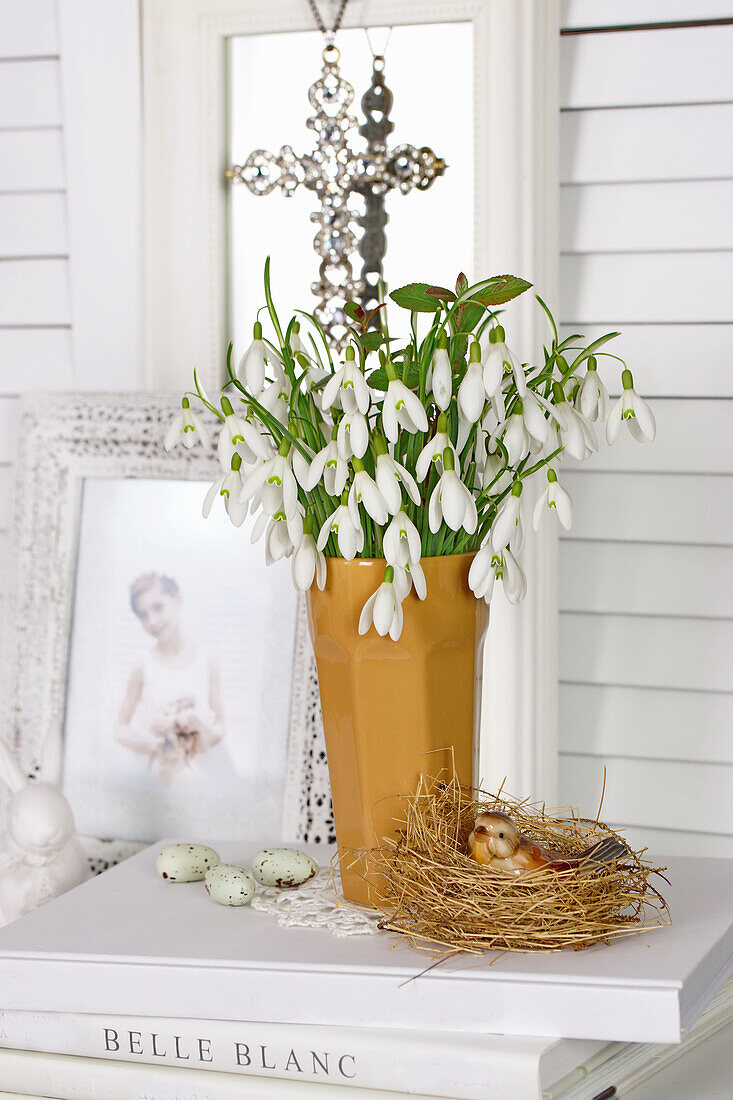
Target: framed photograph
151	653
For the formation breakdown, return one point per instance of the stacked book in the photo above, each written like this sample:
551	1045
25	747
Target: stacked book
130	987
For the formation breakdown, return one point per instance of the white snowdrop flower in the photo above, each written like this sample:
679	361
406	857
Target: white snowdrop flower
401	408
414	570
278	543
364	490
576	434
349	536
508	520
441	379
289	534
516	437
229	486
352	435
633	411
238	435
301	463
557	498
252	368
276	399
592	396
347	388
483	572
534	418
309	563
274	484
187	426
496	355
407	577
401	541
452	501
384	609
512	578
331	467
497	476
433	450
471	392
389	476
296	344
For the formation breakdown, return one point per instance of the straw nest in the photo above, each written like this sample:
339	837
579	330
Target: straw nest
436	896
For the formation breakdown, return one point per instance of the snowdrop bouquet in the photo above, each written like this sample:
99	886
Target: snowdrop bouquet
405	450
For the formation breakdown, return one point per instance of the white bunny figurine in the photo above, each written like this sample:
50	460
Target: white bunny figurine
40	853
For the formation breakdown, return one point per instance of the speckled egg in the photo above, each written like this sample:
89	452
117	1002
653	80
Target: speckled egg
284	867
185	862
229	885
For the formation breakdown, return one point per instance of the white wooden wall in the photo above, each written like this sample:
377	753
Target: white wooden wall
35	308
70	224
645	576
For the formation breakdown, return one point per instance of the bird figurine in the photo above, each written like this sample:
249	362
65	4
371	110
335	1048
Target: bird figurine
496	842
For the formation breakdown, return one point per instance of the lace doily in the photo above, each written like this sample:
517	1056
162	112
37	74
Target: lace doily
317	904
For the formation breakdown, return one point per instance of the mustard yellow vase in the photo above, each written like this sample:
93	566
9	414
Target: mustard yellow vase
392	710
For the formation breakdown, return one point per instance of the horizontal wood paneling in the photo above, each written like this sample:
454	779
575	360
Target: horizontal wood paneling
669	360
33	225
652	68
652	792
31	160
674	842
641	651
28	28
647	579
642	722
692	437
690	286
34	292
645	143
36	359
29	94
6	495
647	217
686	508
610	13
8	428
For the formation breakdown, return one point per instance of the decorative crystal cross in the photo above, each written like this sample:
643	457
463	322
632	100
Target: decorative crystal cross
334	171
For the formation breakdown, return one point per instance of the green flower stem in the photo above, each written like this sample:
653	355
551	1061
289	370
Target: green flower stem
270	304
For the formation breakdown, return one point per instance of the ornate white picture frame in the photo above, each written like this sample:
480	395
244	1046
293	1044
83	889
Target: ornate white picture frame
66	439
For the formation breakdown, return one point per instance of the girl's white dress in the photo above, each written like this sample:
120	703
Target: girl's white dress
174	698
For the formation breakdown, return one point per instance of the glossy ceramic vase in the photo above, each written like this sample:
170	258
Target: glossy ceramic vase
393	710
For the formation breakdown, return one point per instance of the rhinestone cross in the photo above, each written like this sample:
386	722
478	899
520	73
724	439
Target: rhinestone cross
334	171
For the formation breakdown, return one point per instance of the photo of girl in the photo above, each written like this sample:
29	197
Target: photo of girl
180	668
172	711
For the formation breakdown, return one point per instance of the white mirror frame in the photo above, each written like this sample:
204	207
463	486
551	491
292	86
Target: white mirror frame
516	189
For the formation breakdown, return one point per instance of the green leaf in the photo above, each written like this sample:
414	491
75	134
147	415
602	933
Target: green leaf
370	341
499	289
355	311
441	293
378	378
461	284
414	297
470	315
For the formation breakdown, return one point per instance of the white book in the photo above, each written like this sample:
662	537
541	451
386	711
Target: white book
129	943
614	1071
462	1066
65	1077
621	1067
